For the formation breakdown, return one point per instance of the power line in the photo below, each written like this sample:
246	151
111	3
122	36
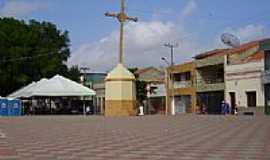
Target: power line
25	58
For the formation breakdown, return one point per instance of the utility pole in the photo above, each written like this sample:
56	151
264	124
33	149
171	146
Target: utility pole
84	69
122	18
171	77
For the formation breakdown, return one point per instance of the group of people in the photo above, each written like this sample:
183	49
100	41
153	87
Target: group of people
225	109
202	109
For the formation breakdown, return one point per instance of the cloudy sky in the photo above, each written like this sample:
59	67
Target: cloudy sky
196	25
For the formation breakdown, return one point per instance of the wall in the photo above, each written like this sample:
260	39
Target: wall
241	78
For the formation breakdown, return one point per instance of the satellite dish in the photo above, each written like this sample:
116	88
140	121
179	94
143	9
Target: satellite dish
230	40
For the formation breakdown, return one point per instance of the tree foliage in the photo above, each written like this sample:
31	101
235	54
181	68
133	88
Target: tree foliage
74	73
141	93
31	51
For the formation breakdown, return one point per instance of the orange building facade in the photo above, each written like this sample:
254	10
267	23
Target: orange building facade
184	88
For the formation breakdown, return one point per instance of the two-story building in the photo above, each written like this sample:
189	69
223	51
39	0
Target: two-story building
184	91
265	45
210	84
243	77
154	77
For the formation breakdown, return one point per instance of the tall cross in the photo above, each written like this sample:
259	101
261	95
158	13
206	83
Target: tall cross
122	18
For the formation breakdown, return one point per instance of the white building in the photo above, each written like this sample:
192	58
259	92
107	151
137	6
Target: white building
244	86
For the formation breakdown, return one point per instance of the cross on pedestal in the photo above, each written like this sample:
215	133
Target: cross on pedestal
122	18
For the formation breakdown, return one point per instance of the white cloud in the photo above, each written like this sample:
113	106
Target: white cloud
144	47
189	8
248	33
14	8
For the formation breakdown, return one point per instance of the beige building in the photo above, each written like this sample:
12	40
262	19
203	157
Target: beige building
154	77
243	76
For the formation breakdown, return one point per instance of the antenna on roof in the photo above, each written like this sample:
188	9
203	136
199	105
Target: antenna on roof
230	40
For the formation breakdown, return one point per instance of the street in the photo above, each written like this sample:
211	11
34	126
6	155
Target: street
187	137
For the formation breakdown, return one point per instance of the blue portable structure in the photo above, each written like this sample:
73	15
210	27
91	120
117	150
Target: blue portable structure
10	107
14	107
3	107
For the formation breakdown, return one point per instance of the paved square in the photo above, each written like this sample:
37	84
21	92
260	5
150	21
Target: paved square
187	137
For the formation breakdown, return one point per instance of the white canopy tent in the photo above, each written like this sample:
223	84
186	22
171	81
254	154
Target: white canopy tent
59	86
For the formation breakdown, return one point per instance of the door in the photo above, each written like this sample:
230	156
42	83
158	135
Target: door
3	107
211	100
251	99
181	103
232	97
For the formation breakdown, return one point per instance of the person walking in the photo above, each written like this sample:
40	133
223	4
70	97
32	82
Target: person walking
223	108
228	108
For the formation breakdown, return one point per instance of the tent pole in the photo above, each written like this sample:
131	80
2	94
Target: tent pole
84	105
31	107
50	105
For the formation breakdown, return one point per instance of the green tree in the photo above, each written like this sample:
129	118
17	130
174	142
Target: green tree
29	52
141	93
74	73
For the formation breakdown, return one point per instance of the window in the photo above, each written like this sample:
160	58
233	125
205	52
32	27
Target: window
186	76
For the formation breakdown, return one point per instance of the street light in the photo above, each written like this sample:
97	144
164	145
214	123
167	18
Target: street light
84	70
165	60
171	46
167	80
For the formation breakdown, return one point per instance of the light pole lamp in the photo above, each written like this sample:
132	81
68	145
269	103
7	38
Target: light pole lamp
171	46
165	60
167	86
84	70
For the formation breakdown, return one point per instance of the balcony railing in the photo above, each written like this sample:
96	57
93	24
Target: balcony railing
212	81
182	84
210	85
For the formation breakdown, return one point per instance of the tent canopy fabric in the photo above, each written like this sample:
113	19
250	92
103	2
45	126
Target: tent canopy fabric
30	90
26	91
60	86
21	92
57	86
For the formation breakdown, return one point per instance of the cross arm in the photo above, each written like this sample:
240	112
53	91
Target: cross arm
135	19
110	14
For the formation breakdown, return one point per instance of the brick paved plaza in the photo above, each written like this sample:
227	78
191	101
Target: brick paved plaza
187	137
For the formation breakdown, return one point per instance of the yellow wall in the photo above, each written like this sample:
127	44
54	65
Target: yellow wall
120	90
